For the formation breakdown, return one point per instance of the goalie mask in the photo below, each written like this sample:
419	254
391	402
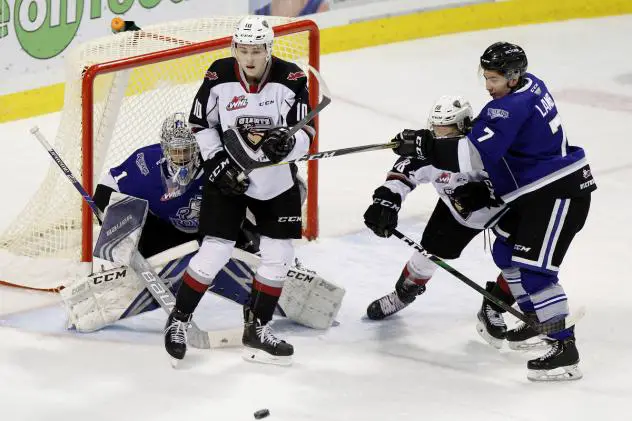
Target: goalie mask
451	110
180	149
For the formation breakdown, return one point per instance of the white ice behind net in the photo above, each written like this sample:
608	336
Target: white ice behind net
42	246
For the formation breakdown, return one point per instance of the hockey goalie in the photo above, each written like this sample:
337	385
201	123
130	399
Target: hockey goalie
165	180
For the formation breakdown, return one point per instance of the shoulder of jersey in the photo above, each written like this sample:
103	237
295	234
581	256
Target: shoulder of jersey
221	71
287	73
532	91
144	159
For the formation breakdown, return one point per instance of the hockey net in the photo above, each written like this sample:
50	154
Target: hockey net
118	91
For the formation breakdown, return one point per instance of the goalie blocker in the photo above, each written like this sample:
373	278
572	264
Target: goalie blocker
103	298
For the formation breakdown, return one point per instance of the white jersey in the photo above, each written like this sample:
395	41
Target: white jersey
408	173
225	101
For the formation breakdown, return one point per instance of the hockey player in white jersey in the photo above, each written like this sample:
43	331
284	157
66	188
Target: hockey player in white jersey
457	218
248	99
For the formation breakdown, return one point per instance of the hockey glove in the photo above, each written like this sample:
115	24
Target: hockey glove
476	195
277	145
224	173
381	216
413	143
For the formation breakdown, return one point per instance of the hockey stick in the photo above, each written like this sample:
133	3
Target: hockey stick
542	328
40	137
327	154
197	338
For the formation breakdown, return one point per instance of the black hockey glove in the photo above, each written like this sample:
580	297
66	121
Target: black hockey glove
476	195
381	216
277	145
224	173
413	143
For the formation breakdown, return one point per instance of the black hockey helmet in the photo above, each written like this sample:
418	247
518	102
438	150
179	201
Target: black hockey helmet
508	59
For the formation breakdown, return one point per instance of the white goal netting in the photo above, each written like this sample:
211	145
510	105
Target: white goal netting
43	245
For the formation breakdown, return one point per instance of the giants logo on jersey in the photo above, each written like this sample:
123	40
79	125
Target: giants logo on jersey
295	75
444	178
237	103
253	128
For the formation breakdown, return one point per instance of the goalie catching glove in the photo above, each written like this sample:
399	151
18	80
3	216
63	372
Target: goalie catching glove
381	216
277	145
224	173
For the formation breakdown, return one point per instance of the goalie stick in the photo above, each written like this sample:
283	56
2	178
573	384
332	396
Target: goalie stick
198	338
542	328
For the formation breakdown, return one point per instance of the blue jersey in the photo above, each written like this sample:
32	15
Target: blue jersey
144	174
522	143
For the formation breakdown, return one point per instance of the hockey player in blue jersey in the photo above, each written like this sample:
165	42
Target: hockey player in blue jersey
169	176
519	140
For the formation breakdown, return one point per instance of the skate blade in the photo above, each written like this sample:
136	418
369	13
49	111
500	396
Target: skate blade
262	357
560	374
529	345
495	342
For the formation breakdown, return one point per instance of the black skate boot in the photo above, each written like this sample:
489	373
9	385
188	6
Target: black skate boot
491	324
525	338
559	364
176	335
404	294
261	344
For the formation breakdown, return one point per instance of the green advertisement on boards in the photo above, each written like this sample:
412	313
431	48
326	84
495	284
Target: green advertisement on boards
44	28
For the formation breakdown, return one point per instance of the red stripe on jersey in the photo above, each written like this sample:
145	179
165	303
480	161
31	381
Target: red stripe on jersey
193	283
266	289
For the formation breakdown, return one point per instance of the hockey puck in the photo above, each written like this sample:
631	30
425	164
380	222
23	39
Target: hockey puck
262	413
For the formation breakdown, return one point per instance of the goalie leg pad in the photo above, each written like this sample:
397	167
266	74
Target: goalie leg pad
102	298
309	299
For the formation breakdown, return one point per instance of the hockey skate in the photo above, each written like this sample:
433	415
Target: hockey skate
260	343
559	364
525	338
176	335
404	294
491	325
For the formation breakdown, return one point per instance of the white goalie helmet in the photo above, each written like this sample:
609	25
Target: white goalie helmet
449	110
179	148
254	30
